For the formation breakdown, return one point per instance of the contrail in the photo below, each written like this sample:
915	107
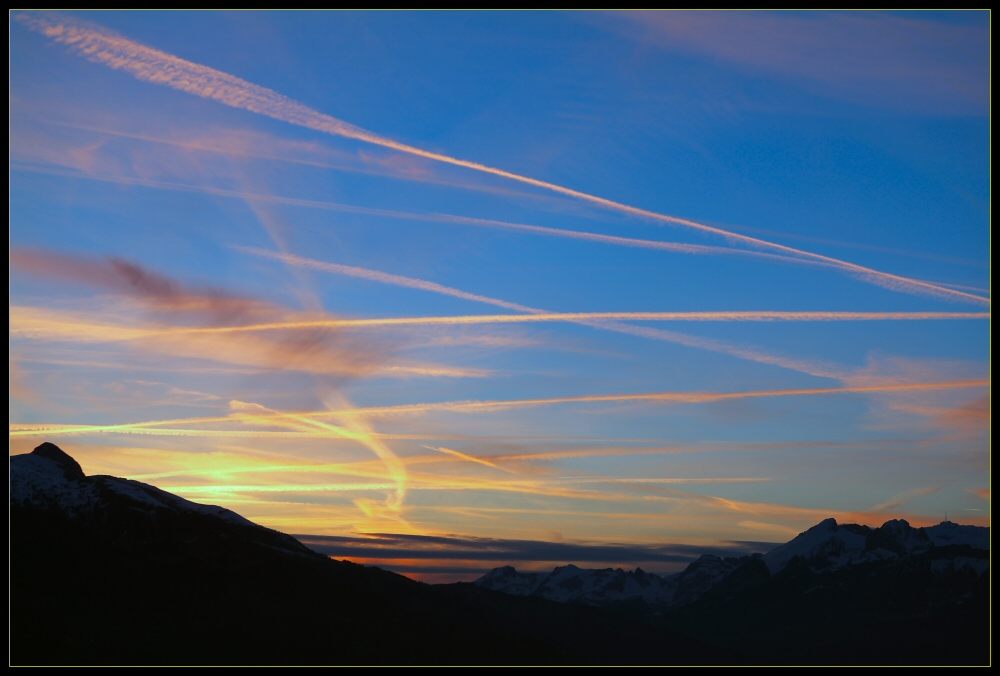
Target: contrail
33	429
677	247
356	430
642	331
678	397
384	277
100	45
467	458
35	323
904	497
450	320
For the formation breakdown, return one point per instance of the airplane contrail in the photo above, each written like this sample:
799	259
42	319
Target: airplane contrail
34	322
384	277
450	320
642	331
33	429
100	45
47	325
357	430
467	458
242	195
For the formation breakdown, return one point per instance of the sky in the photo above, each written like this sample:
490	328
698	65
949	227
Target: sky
440	291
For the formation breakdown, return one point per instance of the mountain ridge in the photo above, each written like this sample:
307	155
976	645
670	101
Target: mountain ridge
106	570
112	571
827	546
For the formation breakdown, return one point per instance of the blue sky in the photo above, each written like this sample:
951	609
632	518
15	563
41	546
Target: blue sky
199	201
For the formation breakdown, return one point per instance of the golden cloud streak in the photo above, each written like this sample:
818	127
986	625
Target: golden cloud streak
19	429
38	323
467	458
100	45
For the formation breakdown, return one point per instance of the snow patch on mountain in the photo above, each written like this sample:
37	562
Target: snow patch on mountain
50	479
827	546
949	533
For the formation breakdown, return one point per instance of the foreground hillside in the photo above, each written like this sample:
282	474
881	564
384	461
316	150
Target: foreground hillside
835	594
111	571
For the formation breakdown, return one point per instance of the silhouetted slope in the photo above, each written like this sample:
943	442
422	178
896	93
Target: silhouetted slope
834	594
109	571
916	610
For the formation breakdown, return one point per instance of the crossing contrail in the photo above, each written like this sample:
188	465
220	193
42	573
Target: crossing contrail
100	45
268	418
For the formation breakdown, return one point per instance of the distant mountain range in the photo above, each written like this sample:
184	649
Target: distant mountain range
825	548
112	571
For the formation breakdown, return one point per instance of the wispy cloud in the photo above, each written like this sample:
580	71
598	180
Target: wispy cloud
172	307
356	428
388	546
870	58
103	46
904	497
468	406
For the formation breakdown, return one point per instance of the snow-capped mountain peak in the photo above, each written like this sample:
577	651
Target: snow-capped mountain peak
49	480
826	547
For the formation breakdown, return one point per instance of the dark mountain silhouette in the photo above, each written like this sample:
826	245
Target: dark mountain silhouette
111	571
835	594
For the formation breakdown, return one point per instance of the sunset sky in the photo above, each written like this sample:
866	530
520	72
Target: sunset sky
443	291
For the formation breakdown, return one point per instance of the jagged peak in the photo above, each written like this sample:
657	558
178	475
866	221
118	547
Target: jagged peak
896	523
71	468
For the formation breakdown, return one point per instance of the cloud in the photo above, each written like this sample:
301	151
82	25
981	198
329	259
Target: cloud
469	406
881	59
355	427
904	497
941	409
389	546
103	46
130	279
182	321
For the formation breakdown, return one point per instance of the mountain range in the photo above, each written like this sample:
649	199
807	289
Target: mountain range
825	548
105	570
